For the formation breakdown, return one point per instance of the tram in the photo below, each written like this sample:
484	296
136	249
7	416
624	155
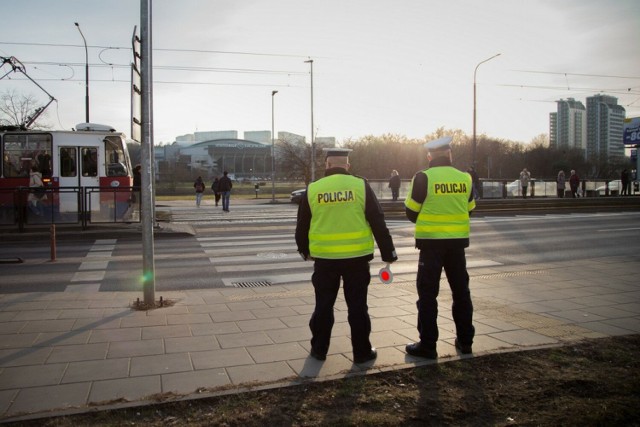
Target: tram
81	169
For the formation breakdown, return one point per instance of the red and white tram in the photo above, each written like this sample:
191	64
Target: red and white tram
91	157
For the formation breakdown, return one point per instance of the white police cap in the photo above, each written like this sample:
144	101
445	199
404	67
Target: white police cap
439	144
337	152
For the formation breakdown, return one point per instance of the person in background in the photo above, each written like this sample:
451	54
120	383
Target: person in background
37	191
439	203
199	186
137	183
561	183
625	183
336	226
225	186
215	187
525	179
394	185
574	184
475	180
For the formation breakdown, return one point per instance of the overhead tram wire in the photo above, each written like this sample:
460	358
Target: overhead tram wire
174	68
577	74
170	82
618	91
283	55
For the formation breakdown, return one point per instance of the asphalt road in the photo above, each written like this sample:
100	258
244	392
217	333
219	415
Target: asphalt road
254	247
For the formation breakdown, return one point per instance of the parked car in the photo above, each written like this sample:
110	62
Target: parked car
615	185
297	195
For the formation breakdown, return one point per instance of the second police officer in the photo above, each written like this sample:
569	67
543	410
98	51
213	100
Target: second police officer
337	223
439	203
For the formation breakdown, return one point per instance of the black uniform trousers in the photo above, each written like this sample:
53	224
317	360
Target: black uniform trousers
326	282
430	265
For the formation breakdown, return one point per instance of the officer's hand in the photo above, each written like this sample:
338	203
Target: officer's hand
390	260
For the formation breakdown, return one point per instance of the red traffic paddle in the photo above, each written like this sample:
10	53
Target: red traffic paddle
385	274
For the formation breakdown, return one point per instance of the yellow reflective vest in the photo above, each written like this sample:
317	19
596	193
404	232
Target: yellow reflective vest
444	214
338	228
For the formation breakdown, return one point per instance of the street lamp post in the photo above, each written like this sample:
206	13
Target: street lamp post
313	144
86	73
475	144
273	153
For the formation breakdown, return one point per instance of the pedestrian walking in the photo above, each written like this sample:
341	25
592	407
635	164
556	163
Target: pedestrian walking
394	185
199	186
215	187
525	179
337	223
224	186
574	184
561	183
439	203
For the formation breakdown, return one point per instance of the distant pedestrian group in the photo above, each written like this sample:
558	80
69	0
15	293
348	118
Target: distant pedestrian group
221	188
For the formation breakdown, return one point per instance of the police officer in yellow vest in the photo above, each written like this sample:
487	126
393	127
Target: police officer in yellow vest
337	223
439	203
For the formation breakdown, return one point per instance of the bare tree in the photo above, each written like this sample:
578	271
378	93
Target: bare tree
294	159
16	109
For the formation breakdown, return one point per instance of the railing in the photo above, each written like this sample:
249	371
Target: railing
24	206
504	189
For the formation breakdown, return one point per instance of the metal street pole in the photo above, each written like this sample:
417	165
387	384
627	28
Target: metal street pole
273	152
475	144
86	73
313	144
146	193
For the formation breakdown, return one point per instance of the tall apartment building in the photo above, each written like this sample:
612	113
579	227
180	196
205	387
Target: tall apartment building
553	133
568	125
605	120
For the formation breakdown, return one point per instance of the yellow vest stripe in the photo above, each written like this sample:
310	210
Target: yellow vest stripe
340	236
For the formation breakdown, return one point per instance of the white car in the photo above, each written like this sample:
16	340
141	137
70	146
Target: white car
493	189
615	185
514	189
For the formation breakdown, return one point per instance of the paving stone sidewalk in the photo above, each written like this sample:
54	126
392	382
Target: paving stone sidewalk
68	352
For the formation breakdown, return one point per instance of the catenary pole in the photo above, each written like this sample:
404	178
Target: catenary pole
146	192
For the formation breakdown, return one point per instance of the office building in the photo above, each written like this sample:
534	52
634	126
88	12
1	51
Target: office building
605	120
568	125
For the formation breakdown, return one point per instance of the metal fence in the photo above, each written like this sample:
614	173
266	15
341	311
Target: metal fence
25	207
503	189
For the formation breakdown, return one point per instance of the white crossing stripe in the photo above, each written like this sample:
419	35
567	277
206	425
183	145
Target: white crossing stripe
273	258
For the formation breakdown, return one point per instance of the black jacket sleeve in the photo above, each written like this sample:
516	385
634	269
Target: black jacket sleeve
418	194
375	217
302	227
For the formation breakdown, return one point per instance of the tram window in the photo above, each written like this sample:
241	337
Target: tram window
21	151
89	161
68	161
115	157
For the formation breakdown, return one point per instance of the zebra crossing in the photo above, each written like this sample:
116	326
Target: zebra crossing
272	259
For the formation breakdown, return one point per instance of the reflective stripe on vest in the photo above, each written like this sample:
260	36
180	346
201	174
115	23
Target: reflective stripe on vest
338	227
445	212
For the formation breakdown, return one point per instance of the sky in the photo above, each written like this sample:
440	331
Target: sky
403	67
